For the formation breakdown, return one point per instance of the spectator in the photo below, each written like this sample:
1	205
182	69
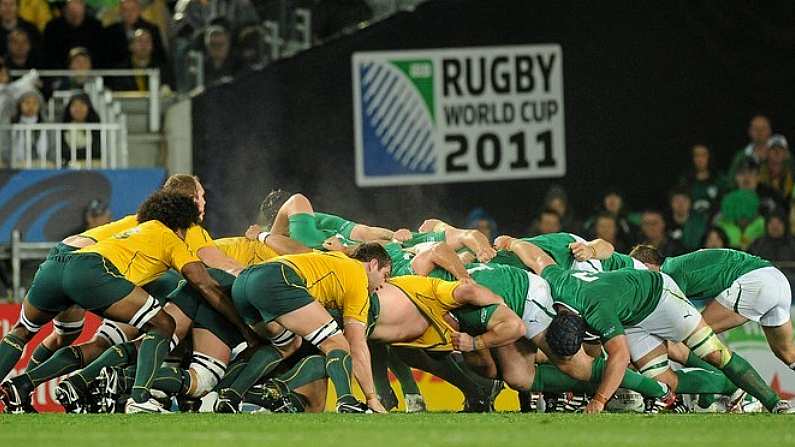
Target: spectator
36	12
777	244
776	174
747	177
20	54
702	181
117	37
79	110
740	219
97	214
192	16
685	226
218	63
30	110
759	131
556	199
141	56
480	220
74	28
715	238
605	227
9	92
548	221
613	204
652	226
80	61
250	49
10	20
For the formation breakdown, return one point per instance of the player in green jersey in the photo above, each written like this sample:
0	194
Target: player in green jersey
634	312
744	287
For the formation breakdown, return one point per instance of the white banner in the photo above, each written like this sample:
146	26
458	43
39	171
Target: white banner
459	115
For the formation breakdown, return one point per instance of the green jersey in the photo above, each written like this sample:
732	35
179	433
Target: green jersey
401	260
704	274
607	301
421	238
556	245
617	261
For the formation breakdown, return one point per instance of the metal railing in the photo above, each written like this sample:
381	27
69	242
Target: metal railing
24	251
153	82
112	144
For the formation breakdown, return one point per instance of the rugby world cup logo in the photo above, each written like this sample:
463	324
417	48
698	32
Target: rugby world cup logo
395	116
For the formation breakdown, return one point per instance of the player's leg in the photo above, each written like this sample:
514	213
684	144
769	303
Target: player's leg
411	392
780	340
720	318
67	327
379	360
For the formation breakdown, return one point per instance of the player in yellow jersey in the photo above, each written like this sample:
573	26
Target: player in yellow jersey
295	291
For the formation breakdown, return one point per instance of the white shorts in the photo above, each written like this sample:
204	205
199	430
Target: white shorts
538	310
762	295
674	319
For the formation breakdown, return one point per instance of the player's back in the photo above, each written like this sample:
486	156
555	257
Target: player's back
704	274
329	276
245	251
106	231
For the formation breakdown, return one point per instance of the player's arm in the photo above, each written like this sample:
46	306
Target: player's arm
196	274
356	335
213	257
617	362
532	256
595	249
504	328
283	245
440	255
470	293
473	240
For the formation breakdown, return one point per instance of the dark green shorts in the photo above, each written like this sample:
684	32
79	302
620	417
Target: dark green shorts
160	288
60	249
266	291
190	302
474	320
86	279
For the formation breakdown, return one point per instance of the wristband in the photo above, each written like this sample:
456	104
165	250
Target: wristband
475	343
263	235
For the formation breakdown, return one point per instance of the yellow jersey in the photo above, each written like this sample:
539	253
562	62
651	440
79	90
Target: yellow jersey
144	252
245	251
196	237
434	298
334	280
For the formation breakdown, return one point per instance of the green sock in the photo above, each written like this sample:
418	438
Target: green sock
705	400
403	374
697	381
232	373
39	356
549	379
632	380
119	355
695	361
306	371
171	380
303	229
64	361
259	365
10	351
379	359
339	367
154	348
739	371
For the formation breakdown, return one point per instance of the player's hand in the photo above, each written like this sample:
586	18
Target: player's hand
375	405
582	251
466	280
486	254
428	225
463	342
333	244
503	242
253	232
401	235
594	407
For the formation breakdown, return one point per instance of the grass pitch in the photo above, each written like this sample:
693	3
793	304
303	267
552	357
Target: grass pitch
404	430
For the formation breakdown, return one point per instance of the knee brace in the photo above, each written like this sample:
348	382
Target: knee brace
145	313
68	327
284	338
29	325
205	373
112	333
323	333
655	367
704	342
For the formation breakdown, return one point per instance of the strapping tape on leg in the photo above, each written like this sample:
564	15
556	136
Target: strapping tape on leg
29	325
68	327
284	338
174	343
323	333
112	333
145	313
704	342
205	373
656	366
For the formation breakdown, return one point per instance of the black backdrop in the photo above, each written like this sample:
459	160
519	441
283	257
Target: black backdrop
643	81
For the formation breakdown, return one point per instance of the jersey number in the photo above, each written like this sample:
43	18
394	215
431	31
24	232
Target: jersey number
585	276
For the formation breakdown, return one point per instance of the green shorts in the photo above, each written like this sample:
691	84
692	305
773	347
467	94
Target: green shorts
60	249
193	305
474	320
86	279
266	291
161	287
